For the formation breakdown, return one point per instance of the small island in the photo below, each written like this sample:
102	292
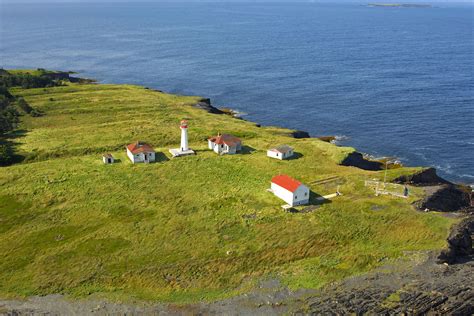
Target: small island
400	5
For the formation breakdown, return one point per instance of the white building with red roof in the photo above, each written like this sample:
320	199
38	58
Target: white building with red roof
140	152
225	144
290	190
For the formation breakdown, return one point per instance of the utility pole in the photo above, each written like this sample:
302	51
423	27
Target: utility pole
385	175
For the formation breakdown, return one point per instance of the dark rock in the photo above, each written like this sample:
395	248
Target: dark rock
356	159
423	178
205	104
447	198
459	242
300	134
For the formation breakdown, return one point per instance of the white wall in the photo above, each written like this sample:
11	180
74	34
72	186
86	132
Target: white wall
130	156
140	157
282	193
106	160
292	198
301	195
151	157
278	155
274	154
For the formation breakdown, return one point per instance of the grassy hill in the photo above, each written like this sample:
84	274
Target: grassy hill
184	229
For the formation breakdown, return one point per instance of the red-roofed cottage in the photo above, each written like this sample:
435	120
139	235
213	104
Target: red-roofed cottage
290	190
225	144
140	152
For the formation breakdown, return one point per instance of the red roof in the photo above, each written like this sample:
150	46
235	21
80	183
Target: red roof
286	182
227	139
138	147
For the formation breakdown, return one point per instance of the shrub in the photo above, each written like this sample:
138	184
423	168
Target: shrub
6	154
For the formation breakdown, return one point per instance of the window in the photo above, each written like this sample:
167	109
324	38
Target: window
296	197
306	193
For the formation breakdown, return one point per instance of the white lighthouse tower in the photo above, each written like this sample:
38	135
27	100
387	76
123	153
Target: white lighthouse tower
184	150
184	135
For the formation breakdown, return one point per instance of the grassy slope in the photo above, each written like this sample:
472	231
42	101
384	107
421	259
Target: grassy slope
192	228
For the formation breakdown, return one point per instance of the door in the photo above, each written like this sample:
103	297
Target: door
145	157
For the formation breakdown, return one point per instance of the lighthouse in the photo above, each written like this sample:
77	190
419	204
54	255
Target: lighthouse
184	135
184	150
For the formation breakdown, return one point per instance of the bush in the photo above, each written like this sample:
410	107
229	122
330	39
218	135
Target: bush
6	154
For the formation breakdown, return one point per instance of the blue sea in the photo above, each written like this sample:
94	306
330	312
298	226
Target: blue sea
388	81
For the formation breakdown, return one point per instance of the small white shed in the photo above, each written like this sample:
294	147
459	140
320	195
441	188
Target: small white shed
290	190
108	159
140	152
281	152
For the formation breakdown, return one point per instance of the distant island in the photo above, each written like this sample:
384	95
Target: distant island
396	5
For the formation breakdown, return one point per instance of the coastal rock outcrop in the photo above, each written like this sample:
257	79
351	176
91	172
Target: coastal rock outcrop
300	134
441	195
356	159
459	242
425	177
447	198
205	104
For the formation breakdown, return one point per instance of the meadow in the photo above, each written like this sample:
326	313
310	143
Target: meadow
193	228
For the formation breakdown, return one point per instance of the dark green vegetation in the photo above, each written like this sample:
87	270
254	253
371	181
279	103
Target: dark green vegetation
192	228
11	108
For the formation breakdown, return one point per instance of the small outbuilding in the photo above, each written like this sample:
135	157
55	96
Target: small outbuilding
290	190
140	152
281	152
225	144
108	159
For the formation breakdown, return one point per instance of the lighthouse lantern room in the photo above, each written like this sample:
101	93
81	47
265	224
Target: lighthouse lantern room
184	150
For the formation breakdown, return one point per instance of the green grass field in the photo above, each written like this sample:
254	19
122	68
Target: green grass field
193	228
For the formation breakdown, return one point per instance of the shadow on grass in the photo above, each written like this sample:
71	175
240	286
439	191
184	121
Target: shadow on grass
315	201
20	133
8	140
161	157
295	156
246	150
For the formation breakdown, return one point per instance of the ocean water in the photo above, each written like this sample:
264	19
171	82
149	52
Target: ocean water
392	81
